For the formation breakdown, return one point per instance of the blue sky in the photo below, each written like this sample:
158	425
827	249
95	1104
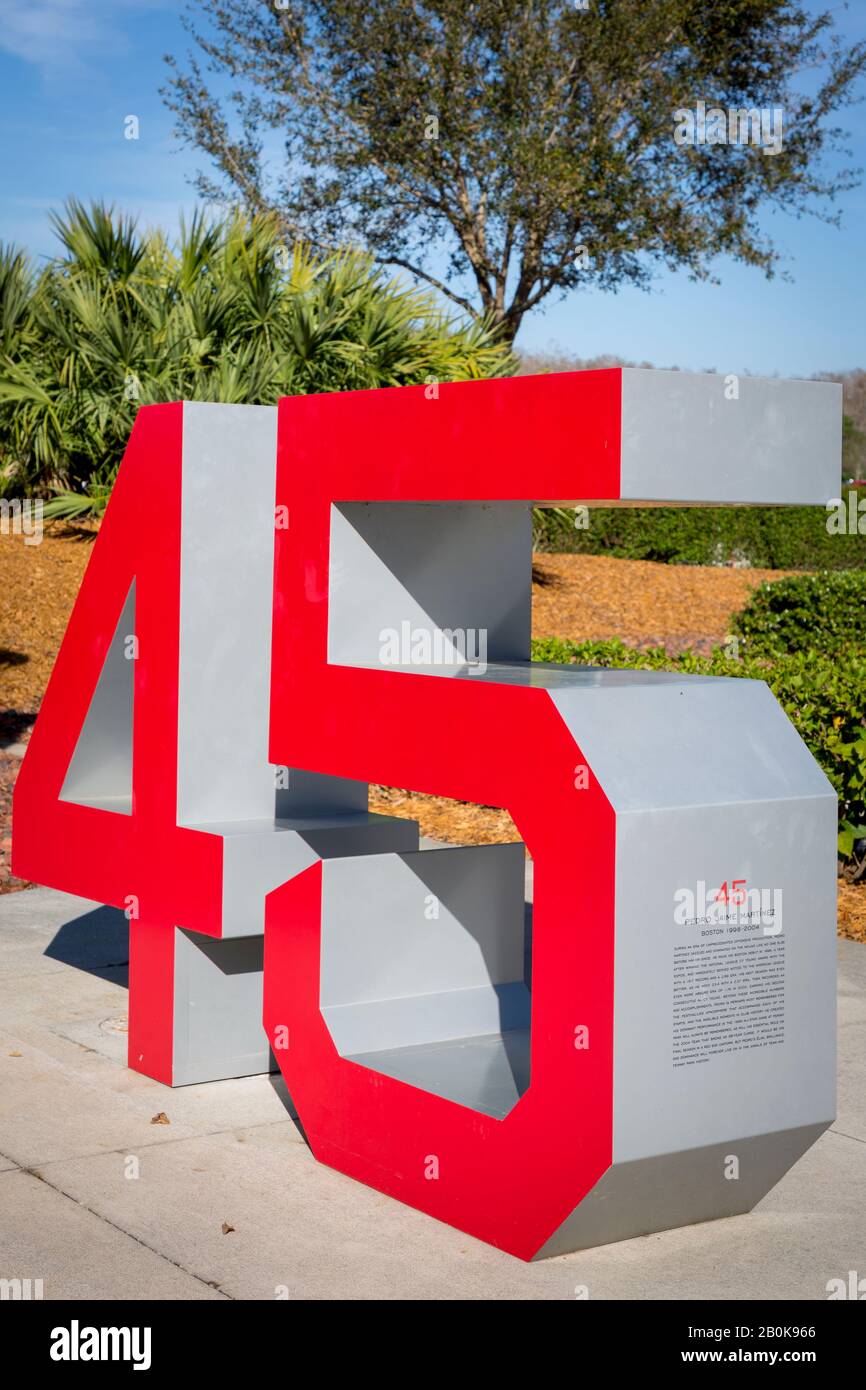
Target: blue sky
72	70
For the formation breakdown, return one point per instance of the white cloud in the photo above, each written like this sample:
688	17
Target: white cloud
63	35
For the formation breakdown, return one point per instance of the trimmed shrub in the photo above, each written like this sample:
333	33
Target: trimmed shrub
821	612
760	537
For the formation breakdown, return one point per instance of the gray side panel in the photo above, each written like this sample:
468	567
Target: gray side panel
754	1011
678	1189
313	794
682	440
371	833
724	1030
229	457
393	974
253	865
218	1029
435	566
100	773
488	1074
258	856
691	742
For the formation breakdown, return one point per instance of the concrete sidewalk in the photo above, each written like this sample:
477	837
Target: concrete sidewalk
72	1118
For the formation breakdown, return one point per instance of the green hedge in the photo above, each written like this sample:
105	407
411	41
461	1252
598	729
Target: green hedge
824	697
762	537
823	612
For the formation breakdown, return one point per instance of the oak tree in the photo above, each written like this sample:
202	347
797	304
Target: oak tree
502	150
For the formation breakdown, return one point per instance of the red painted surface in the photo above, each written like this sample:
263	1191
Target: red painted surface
510	1182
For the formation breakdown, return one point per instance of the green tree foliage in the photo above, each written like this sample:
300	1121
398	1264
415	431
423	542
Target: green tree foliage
230	313
530	144
853	449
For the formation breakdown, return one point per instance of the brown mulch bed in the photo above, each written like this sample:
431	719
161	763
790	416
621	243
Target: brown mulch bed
852	911
38	584
459	822
8	772
573	596
592	597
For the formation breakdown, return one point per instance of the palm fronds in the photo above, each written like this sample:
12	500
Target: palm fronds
122	318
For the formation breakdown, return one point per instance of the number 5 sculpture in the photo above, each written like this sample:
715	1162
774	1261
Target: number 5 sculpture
277	612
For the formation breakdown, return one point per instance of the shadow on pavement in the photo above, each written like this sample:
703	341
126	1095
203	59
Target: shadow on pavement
97	942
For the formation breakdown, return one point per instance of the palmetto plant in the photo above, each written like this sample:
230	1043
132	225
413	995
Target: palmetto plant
119	319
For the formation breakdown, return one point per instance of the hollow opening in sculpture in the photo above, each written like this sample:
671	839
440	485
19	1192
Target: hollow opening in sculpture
426	969
100	771
439	587
425	955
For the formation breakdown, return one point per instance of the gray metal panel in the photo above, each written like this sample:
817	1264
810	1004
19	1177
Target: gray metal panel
227	510
370	833
678	1189
394	975
539	675
682	440
100	772
314	794
488	1074
229	451
710	783
691	741
253	865
407	1022
783	845
436	566
260	855
218	1029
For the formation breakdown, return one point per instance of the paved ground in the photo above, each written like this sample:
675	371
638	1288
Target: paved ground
72	1117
